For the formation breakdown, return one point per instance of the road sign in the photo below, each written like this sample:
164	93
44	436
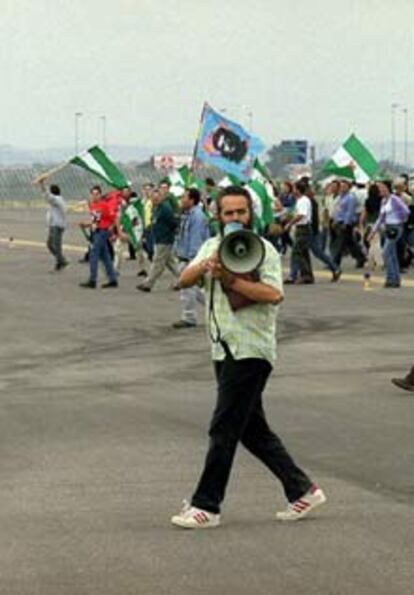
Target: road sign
294	151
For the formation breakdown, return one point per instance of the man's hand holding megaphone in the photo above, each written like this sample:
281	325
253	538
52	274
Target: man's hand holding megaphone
254	290
229	283
236	265
217	271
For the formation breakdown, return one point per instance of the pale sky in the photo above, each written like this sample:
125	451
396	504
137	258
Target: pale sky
315	69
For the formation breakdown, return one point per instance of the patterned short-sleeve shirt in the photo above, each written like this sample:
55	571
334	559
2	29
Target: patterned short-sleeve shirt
249	332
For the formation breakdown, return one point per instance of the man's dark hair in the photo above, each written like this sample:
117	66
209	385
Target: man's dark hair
55	190
305	179
165	181
209	182
302	186
134	194
194	195
236	191
96	187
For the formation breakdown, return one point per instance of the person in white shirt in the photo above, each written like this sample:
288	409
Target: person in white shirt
56	220
303	234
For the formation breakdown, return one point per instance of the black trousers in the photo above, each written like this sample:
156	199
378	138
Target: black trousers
239	417
301	260
345	239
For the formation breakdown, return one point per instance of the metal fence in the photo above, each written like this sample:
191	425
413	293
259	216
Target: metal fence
16	183
16	188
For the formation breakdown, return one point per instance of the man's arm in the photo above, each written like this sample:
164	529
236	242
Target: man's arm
256	291
292	221
259	292
193	273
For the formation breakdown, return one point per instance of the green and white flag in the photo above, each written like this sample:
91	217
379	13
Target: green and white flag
131	224
353	161
260	173
262	200
179	180
183	178
96	161
260	185
180	176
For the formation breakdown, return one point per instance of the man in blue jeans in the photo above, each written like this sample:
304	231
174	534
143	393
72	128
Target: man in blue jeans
193	232
243	350
104	216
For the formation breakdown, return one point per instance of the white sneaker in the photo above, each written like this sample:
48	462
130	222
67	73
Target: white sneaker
300	508
191	517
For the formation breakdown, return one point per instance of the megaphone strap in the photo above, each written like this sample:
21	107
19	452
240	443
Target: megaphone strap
212	318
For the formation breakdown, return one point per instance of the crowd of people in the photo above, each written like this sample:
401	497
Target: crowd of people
372	224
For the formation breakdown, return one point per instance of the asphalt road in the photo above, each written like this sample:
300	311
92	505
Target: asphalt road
103	417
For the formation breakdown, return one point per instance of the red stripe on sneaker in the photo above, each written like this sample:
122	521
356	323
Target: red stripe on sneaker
201	517
300	506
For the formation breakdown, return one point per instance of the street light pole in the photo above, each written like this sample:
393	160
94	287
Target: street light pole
405	112
78	116
103	120
393	108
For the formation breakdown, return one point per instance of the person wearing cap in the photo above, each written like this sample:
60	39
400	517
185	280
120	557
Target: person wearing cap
393	214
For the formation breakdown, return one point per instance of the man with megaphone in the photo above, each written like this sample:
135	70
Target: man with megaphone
242	276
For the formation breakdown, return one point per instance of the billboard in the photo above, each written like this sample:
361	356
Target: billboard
293	152
166	162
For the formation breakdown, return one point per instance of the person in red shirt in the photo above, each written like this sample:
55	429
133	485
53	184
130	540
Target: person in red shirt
103	214
115	199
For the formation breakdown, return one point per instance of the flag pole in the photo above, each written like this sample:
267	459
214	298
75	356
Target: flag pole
49	173
200	125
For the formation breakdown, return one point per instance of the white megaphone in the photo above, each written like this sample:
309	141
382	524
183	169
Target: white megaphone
241	250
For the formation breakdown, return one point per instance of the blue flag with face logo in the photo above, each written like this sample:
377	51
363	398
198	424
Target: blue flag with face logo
226	145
